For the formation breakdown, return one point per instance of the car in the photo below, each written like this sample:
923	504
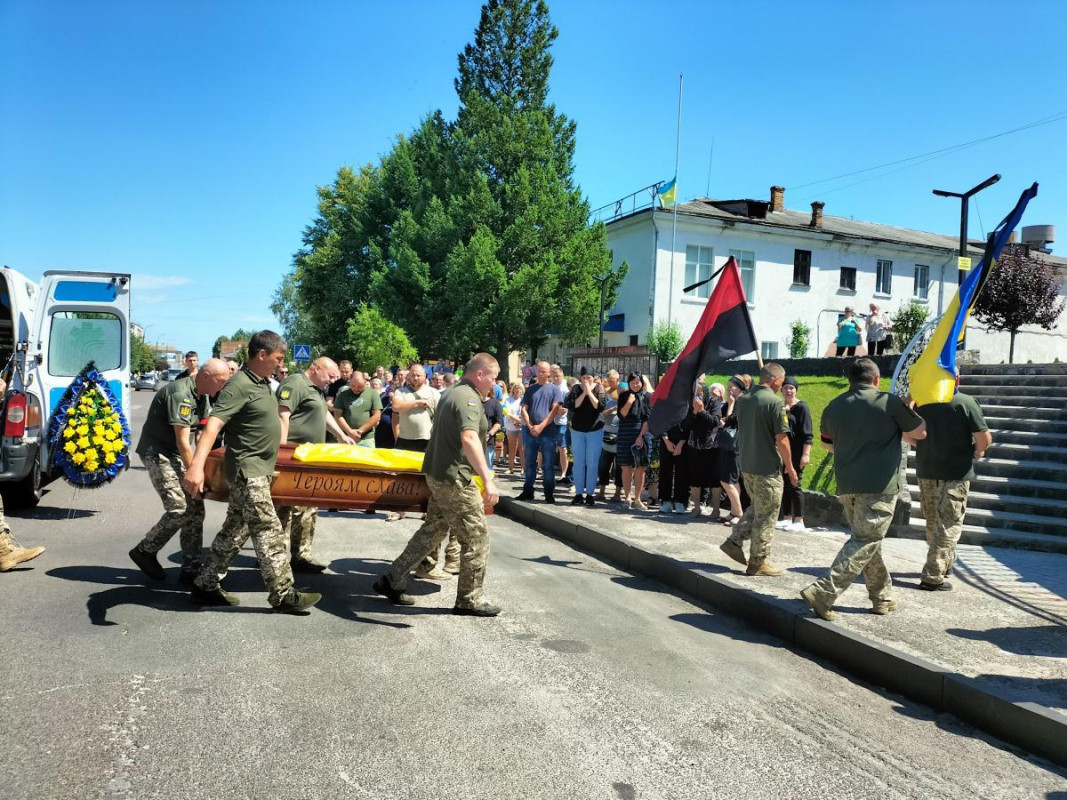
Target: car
172	374
147	381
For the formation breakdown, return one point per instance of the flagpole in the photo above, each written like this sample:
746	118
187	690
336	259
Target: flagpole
674	223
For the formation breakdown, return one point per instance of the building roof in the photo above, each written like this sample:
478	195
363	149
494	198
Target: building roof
758	212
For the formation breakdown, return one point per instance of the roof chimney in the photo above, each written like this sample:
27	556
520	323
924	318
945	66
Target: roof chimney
816	214
777	198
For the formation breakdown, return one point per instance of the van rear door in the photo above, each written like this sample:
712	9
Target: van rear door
81	317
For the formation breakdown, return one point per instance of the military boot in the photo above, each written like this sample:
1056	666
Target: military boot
190	569
762	567
297	602
148	564
11	554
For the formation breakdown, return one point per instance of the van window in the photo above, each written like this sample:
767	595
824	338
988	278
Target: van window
78	337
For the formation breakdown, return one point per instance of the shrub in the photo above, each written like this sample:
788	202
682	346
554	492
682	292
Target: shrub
799	339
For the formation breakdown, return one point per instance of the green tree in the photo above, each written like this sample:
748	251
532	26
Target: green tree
475	224
799	339
142	357
907	322
238	336
665	341
375	340
1021	290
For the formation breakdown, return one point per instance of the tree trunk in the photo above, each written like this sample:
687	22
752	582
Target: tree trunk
502	359
1011	348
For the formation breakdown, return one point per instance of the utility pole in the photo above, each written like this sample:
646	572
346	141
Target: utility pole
965	198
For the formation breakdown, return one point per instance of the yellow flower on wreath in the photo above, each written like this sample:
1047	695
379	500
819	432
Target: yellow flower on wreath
109	458
70	447
83	429
83	442
68	432
78	458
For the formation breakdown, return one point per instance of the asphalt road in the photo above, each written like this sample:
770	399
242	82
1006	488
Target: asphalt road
592	684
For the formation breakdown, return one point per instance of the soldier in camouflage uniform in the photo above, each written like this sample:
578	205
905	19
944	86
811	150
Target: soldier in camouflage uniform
944	462
305	417
763	444
249	410
863	428
166	450
455	452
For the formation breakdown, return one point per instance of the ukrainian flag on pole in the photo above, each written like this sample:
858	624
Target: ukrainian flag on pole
667	192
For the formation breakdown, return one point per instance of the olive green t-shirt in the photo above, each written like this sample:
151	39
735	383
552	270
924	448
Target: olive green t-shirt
460	410
760	419
308	410
947	452
358	408
864	426
173	405
253	430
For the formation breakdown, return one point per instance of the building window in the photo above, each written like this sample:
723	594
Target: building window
769	349
633	340
848	279
802	267
922	281
698	268
746	263
883	281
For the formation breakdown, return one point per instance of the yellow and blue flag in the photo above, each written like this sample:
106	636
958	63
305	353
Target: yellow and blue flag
667	192
932	378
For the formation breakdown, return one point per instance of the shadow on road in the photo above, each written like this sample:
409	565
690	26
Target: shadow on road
1047	641
342	596
50	513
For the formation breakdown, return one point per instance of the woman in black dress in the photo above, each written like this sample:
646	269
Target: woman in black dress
701	466
729	467
791	517
634	442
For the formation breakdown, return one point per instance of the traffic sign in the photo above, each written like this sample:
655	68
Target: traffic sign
302	352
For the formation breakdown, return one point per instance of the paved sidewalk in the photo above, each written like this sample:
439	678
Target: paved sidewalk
1004	626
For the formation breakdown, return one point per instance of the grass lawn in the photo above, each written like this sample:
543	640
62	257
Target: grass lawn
817	393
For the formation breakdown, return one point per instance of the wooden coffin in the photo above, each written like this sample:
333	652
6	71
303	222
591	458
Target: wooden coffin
329	485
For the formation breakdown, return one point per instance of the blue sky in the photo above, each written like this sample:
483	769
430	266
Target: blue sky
183	142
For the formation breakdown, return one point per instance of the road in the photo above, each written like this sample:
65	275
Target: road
592	684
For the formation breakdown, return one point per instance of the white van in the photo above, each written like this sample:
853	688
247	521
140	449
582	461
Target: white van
48	333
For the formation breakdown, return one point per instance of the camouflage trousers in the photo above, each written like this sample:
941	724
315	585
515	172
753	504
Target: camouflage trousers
757	523
250	513
451	560
944	504
180	511
298	528
868	516
458	509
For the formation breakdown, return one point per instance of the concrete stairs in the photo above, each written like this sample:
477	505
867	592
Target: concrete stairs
1019	496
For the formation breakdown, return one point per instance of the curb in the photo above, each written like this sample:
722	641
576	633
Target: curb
1029	726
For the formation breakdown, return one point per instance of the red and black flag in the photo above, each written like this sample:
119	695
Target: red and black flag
724	332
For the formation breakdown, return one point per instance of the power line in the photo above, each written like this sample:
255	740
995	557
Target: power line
923	158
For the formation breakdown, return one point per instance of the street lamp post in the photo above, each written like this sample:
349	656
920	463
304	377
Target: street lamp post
603	281
964	202
965	198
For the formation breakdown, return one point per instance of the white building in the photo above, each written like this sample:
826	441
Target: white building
794	265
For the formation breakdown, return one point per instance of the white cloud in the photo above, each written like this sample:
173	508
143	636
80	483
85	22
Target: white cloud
158	281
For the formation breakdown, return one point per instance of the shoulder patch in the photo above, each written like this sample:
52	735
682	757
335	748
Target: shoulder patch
185	410
285	394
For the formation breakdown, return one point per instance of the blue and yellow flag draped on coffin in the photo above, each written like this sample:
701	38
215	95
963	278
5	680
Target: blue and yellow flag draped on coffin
932	378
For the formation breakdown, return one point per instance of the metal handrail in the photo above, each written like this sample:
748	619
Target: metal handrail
626	205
